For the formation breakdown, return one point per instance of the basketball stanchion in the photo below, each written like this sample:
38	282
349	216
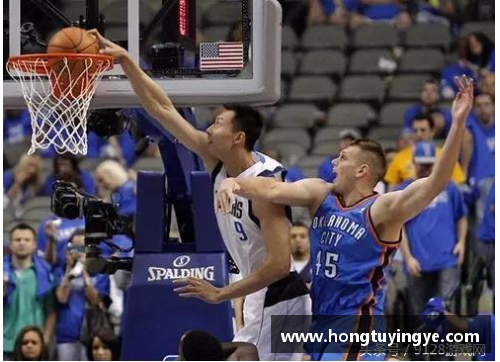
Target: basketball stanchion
58	97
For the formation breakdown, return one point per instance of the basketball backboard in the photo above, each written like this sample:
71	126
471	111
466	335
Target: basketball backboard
180	43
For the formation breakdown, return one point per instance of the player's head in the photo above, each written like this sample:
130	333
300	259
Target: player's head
424	158
484	108
362	164
429	93
423	127
196	345
299	238
235	128
110	175
22	241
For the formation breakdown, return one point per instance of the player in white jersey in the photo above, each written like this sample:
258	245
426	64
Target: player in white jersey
255	233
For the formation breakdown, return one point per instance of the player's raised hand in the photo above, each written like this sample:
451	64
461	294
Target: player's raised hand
464	100
107	47
198	288
225	195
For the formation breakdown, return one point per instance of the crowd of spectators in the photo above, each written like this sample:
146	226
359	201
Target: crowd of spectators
48	295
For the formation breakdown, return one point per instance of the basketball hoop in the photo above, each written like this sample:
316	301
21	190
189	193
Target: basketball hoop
58	89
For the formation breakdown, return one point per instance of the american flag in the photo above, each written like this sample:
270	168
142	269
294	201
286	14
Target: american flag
221	56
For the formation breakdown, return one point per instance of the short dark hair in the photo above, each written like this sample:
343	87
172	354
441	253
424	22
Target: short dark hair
492	99
425	117
299	224
375	152
107	337
432	81
247	120
22	226
18	354
199	345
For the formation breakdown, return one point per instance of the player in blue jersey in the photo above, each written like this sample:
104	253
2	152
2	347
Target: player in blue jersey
354	231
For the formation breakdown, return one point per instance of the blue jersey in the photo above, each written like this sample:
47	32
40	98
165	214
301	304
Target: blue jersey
432	234
348	260
482	163
486	229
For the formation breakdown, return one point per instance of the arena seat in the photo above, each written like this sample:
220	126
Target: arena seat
296	115
327	134
288	64
323	62
384	133
350	115
487	28
325	149
324	36
428	35
392	114
282	135
368	61
289	39
362	88
312	89
422	60
375	36
407	87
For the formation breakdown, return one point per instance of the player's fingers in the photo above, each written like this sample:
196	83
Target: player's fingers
181	281
189	295
459	84
186	288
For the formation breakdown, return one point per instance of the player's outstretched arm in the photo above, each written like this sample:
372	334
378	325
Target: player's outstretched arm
275	231
307	193
400	206
157	103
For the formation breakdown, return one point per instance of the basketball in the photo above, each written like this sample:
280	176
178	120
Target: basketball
72	41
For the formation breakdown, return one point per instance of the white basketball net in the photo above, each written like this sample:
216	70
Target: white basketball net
58	100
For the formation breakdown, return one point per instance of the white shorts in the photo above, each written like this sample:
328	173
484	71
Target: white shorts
257	311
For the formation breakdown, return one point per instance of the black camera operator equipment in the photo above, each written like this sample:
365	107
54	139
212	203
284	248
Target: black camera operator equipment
102	222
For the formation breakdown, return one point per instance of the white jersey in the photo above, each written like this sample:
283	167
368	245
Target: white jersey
240	229
241	233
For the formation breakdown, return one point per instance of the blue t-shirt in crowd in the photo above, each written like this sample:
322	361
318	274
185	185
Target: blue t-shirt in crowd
374	12
64	230
88	184
126	198
453	70
325	170
432	234
491	62
484	325
482	163
328	7
416	109
17	129
70	315
486	229
8	181
294	174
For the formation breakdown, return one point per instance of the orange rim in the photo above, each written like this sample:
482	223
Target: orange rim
38	62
